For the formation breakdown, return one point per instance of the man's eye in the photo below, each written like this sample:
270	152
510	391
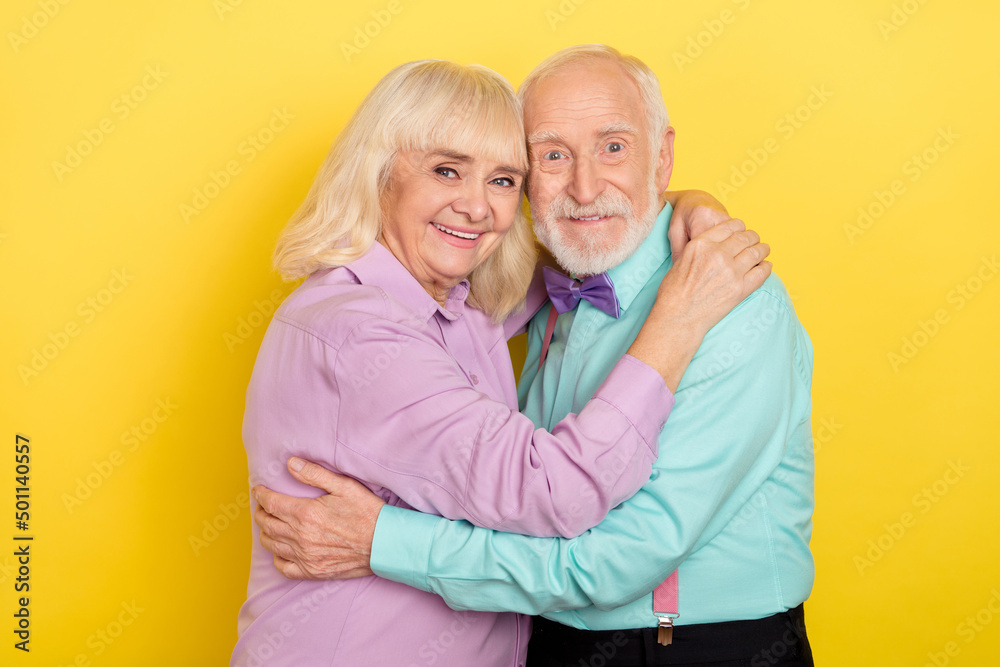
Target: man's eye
552	155
614	147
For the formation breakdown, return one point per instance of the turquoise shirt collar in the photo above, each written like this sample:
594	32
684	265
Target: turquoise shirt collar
632	275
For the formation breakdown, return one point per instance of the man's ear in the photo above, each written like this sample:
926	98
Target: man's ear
665	160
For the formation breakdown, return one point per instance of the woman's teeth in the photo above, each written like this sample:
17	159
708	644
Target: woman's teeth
461	235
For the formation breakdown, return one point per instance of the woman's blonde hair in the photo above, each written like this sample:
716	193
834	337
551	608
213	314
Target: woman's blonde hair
420	106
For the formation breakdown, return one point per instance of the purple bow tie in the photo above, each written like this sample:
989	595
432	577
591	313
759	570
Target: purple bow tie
565	293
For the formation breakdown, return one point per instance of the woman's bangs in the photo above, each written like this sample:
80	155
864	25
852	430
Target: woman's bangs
479	123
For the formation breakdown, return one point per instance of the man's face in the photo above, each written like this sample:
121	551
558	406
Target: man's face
595	176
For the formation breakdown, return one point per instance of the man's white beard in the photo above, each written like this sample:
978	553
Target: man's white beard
589	254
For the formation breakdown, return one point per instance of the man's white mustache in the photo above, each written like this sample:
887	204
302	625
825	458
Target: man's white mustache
606	204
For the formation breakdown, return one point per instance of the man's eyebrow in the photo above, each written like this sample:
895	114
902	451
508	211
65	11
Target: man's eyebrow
621	127
618	128
544	135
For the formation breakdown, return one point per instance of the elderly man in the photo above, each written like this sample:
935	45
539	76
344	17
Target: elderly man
709	562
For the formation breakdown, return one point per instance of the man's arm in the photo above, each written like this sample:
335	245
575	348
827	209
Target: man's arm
742	395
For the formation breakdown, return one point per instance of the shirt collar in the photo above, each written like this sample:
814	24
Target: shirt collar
632	275
380	268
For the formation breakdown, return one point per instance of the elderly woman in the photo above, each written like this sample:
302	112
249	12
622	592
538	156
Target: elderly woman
389	363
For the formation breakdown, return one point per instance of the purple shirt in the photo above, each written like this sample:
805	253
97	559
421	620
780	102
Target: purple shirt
364	373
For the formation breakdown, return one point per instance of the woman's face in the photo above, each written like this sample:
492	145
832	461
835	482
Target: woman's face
445	212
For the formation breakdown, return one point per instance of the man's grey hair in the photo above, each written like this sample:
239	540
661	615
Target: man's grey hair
657	119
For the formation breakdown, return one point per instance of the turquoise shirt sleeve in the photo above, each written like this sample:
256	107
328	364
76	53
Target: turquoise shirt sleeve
742	401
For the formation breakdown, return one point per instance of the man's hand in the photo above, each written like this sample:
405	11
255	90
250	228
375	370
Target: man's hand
329	537
695	212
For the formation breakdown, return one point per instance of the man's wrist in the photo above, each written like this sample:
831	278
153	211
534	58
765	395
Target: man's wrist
401	547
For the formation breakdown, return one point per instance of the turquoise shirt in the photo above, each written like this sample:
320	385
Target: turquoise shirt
730	499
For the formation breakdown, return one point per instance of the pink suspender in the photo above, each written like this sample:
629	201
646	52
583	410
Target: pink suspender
665	607
549	328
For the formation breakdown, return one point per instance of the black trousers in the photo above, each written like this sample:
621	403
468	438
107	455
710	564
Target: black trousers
775	640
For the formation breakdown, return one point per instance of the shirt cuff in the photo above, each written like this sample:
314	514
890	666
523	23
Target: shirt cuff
639	392
401	548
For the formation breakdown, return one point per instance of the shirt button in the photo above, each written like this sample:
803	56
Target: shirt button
662	424
475	379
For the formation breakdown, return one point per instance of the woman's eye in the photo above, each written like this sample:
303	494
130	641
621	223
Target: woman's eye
552	155
446	172
505	181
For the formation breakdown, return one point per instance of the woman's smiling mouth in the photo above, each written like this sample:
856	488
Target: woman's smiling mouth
454	232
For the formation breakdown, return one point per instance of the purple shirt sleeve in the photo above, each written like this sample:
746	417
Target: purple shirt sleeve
517	322
419	428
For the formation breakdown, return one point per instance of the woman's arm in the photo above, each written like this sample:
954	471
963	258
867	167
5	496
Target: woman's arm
414	423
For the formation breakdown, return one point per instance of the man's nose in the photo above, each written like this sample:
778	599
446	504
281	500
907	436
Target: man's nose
585	181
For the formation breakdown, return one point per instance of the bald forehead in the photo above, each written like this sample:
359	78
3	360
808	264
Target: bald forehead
584	90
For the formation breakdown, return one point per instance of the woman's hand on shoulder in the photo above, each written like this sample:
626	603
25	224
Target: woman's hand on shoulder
694	213
718	269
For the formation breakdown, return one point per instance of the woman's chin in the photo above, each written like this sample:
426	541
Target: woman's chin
457	263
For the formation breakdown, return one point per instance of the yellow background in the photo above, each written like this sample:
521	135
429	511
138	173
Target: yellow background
906	551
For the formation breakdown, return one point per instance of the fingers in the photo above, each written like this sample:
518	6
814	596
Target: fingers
756	276
751	256
290	569
694	213
265	497
701	224
284	554
313	474
272	526
695	200
763	250
739	241
276	504
704	218
729	242
277	547
677	235
721	232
